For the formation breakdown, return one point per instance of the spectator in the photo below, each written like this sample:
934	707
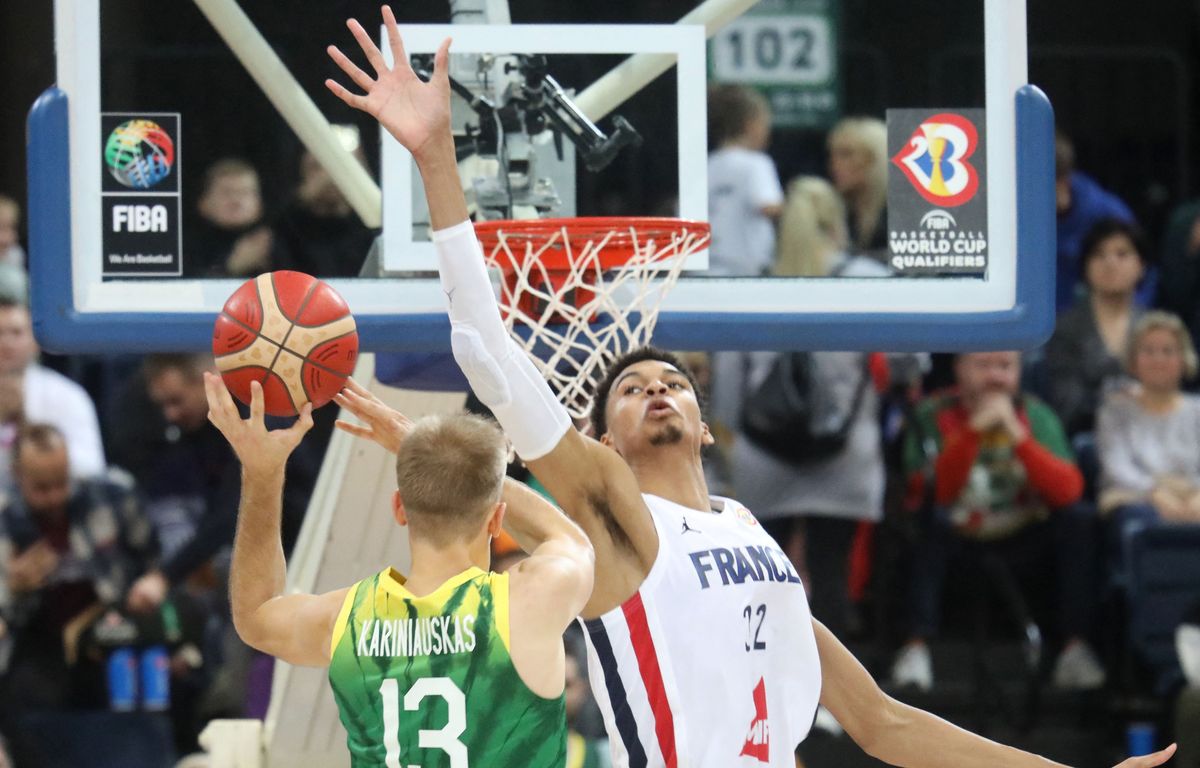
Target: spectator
1082	202
858	167
1148	435
318	232
994	467
67	550
813	238
230	239
30	393
1179	289
192	483
744	196
1083	357
11	252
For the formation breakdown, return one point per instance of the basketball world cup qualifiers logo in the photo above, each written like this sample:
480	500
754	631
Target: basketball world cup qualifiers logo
139	153
936	160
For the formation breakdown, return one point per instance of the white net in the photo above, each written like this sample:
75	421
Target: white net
575	311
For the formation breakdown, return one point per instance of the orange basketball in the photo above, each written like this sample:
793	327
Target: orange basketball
291	332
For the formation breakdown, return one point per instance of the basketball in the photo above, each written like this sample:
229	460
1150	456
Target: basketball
292	333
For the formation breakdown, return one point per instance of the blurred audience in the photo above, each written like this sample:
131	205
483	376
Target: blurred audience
11	252
318	232
68	552
31	393
229	238
858	167
1148	435
744	195
991	469
1179	289
1083	357
1081	202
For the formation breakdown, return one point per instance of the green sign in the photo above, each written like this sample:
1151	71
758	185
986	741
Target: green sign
788	49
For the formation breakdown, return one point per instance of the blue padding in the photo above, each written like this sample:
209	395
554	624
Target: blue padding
426	371
61	328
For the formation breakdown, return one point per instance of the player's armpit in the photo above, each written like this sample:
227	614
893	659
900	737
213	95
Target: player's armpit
598	490
296	628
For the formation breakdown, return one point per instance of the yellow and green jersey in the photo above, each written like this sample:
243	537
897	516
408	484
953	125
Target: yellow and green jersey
428	681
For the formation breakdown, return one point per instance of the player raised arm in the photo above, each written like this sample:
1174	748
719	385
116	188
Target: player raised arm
590	481
296	628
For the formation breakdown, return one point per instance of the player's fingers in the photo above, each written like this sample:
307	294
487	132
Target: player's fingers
441	64
368	46
351	99
1151	760
395	42
354	429
221	409
361	391
305	422
360	78
257	406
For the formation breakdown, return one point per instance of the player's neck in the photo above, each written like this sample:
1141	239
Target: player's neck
674	478
432	566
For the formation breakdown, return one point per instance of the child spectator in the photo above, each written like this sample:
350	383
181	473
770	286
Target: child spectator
229	239
744	195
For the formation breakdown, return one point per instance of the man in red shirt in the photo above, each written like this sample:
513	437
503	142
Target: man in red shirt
995	466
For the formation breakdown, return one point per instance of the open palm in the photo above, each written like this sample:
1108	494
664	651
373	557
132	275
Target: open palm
412	111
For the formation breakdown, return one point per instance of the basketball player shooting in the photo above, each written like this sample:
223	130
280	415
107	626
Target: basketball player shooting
485	649
702	651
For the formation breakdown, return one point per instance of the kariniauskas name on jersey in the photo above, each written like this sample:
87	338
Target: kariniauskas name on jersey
422	636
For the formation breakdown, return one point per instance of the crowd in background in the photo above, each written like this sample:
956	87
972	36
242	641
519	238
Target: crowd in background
118	498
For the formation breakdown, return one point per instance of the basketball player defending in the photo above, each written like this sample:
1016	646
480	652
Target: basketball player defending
701	648
453	666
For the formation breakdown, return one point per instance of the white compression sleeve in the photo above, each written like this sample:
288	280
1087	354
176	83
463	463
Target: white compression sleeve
500	373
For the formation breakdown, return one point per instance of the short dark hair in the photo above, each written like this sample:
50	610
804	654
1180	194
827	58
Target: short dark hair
1106	228
617	367
730	109
188	363
40	437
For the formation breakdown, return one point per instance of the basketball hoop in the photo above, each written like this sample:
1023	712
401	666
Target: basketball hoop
579	292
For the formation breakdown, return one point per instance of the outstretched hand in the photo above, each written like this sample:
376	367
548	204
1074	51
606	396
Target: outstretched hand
260	450
386	426
412	111
1151	760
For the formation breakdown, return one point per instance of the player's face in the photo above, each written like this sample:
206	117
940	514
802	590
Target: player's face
985	373
45	480
181	398
17	347
652	403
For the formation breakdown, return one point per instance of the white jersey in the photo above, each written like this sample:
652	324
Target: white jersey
712	662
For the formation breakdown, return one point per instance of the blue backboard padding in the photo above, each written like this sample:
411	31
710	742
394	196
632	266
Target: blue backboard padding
426	371
60	327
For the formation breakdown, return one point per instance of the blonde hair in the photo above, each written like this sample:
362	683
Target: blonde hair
450	472
1158	320
812	228
868	135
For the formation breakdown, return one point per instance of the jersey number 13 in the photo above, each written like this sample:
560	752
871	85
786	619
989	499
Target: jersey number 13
445	739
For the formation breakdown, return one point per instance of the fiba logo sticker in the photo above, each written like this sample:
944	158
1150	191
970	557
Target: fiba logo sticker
936	160
940	162
140	200
139	153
